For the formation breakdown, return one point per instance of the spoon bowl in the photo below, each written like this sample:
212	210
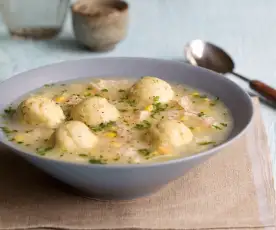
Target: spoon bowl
209	56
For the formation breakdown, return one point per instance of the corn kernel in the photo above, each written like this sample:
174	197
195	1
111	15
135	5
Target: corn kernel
154	153
163	150
113	128
60	99
195	94
207	99
87	94
19	138
149	108
206	111
197	129
184	118
116	144
111	134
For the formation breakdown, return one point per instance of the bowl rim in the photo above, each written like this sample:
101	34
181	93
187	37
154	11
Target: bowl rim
143	165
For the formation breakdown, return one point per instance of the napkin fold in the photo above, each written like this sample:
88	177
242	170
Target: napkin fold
232	190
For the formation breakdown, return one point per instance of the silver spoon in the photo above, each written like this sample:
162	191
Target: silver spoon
251	94
211	57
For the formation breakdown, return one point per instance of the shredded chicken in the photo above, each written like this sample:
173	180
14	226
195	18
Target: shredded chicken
187	105
107	84
131	153
143	115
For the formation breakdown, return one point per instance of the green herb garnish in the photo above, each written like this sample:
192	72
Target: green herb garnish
156	98
87	94
117	158
157	108
143	125
97	161
6	130
48	85
83	155
215	101
200	96
9	111
223	124
103	126
207	143
216	127
42	150
144	152
201	114
104	90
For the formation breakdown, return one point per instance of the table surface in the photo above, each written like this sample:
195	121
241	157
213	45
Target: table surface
161	28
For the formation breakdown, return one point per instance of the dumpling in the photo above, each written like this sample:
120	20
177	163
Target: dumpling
74	136
94	111
171	133
42	111
148	88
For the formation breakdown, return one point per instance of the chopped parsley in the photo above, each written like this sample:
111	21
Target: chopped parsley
201	114
9	111
126	99
214	102
131	102
216	127
89	88
158	106
104	90
48	85
223	124
144	152
207	143
42	151
102	126
83	155
117	158
97	161
197	95
143	125
6	130
121	90
87	94
156	98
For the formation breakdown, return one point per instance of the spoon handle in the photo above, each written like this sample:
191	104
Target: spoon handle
263	89
260	87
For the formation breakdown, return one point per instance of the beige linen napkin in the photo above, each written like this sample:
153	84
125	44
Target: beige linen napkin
234	189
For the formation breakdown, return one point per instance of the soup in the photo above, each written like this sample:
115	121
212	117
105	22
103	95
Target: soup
117	121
